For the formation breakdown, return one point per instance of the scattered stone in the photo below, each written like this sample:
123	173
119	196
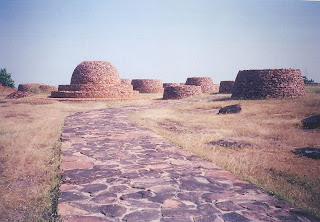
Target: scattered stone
18	94
313	153
229	143
268	83
230	109
205	83
226	87
311	122
147	85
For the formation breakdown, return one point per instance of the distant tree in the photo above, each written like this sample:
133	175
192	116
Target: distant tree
5	78
306	80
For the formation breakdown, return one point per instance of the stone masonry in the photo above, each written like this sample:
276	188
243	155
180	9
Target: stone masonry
165	85
26	87
226	86
206	83
181	91
268	83
95	79
126	82
147	85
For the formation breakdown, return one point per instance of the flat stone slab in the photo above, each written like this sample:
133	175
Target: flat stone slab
313	153
115	170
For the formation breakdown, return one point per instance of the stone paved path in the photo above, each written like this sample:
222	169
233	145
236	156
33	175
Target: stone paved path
115	170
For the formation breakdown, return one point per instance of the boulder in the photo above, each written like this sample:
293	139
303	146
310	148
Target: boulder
230	109
309	152
311	122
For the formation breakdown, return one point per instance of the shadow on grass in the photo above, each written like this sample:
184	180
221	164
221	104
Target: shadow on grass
222	99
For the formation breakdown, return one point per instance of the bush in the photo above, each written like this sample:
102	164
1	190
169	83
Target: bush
306	80
5	78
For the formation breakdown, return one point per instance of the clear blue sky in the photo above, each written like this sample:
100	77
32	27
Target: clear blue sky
43	41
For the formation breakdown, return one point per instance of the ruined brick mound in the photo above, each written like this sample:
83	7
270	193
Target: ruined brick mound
18	94
35	87
95	79
226	86
126	82
27	86
147	85
268	83
5	90
206	83
181	91
47	88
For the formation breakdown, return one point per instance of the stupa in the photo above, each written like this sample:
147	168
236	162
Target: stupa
95	79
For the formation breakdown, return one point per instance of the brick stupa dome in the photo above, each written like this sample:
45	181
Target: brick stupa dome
95	79
96	72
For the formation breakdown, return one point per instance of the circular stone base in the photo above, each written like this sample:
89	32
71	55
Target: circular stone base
268	83
180	92
147	85
206	83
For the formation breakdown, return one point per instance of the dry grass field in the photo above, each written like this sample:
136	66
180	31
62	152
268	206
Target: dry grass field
30	131
272	127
